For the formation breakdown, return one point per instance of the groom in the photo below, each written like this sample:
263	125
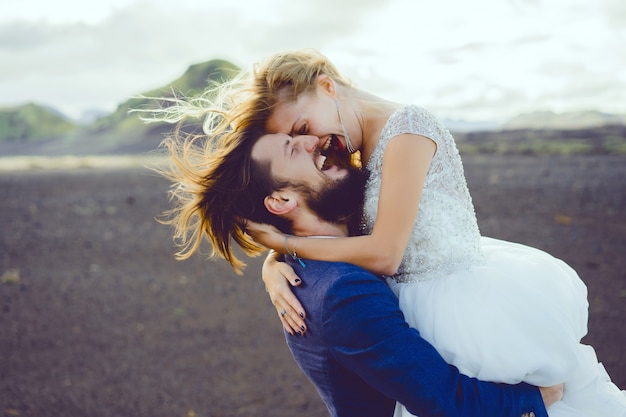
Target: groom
358	351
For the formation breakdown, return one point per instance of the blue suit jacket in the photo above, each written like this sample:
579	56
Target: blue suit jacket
362	356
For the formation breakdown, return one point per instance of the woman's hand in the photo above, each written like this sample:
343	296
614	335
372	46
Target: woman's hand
277	276
266	235
551	394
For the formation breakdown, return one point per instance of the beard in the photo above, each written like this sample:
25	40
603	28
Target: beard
339	201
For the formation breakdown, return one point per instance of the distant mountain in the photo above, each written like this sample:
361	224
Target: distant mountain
32	122
460	125
44	131
569	120
89	116
191	83
37	130
124	132
599	140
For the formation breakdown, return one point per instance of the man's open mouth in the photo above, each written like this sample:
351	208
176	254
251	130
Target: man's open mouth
332	154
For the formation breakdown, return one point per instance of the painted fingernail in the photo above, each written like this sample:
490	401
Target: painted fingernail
297	280
302	328
300	333
302	314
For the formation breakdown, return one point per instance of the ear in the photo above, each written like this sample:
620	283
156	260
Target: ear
280	203
327	84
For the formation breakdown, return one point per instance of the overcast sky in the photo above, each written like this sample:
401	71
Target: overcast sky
473	60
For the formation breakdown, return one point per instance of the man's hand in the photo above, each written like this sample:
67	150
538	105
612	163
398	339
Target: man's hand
551	394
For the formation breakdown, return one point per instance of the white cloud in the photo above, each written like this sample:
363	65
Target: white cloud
481	59
60	11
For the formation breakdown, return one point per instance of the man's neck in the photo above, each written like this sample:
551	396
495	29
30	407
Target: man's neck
310	225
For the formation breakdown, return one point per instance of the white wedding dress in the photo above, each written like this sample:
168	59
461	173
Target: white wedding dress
499	311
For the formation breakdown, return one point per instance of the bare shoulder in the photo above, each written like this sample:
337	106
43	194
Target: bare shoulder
409	145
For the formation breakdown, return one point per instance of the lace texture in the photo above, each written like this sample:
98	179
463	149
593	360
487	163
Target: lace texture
445	236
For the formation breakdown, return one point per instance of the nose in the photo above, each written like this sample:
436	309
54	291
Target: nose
309	142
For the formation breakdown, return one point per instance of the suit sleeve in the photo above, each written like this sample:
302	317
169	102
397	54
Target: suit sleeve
370	337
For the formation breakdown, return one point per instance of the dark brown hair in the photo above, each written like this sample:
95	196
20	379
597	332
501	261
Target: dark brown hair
216	186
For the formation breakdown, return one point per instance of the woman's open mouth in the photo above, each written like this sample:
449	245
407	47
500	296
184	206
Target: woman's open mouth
332	154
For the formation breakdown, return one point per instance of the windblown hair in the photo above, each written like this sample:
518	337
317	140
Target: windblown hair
215	184
216	187
247	100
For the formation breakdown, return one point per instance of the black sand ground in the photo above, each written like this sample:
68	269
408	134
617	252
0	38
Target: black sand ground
97	319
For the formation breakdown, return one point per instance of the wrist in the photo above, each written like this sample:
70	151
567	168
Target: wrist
286	243
291	249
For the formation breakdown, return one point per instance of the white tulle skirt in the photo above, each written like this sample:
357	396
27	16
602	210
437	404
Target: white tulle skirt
518	316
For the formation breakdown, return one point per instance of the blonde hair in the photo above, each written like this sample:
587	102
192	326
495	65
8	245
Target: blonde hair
286	75
206	185
204	164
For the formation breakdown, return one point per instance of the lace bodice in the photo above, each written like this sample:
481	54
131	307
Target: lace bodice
445	235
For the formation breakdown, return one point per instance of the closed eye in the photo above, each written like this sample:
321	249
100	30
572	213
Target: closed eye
292	146
304	129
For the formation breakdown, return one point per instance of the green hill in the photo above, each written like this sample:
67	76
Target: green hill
32	122
191	83
33	129
127	131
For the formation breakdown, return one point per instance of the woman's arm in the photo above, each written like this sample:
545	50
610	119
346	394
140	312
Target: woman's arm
277	276
406	163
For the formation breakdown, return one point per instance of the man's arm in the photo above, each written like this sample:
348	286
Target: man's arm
370	336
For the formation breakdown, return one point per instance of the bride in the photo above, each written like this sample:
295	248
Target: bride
497	310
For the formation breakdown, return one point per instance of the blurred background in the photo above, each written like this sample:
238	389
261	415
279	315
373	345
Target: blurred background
484	61
96	316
